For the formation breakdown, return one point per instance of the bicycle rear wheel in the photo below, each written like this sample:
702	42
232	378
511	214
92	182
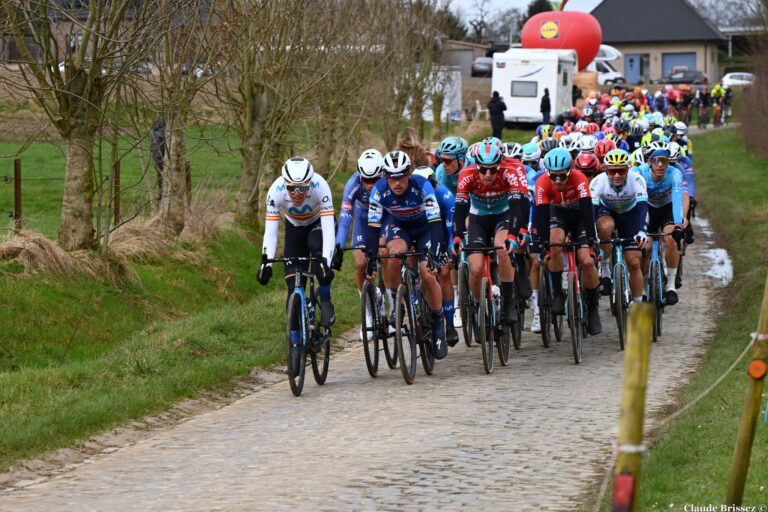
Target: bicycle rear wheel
465	310
574	317
322	356
405	334
516	329
486	329
369	320
425	344
620	302
545	301
655	297
297	353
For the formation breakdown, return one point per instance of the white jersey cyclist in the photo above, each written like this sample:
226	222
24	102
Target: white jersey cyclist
618	200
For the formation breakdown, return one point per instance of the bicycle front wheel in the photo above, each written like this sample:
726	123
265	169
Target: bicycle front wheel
545	302
465	311
425	344
405	334
516	328
368	325
620	303
295	338
656	298
574	317
486	329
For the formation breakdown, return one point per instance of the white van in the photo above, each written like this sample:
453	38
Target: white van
606	73
521	75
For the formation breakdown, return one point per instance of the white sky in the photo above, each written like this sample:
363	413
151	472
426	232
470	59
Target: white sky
467	7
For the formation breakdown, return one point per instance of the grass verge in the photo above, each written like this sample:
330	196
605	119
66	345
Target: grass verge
689	465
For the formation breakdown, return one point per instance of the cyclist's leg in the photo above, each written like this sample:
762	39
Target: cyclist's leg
672	257
315	248
358	240
295	245
557	236
590	280
506	270
433	293
630	224
479	234
605	225
534	274
398	242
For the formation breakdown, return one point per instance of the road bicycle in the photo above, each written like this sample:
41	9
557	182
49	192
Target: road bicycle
303	332
549	322
488	317
656	279
375	326
575	304
521	303
620	295
413	325
466	310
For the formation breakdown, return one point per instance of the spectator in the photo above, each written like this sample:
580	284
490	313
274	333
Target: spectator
545	107
576	94
496	108
411	146
157	150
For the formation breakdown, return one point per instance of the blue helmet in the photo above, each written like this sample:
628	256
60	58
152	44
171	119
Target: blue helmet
489	152
454	147
558	159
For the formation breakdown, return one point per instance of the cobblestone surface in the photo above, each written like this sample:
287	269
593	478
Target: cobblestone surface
536	435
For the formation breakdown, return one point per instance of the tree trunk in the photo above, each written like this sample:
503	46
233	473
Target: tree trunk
174	194
252	151
76	227
326	143
437	120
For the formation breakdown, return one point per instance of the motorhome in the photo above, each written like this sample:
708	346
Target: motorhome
520	76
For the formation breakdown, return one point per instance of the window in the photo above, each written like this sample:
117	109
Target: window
565	78
524	89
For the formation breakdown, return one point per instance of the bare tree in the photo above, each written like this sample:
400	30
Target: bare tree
481	20
97	47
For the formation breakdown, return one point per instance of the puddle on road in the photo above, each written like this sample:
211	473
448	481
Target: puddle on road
721	267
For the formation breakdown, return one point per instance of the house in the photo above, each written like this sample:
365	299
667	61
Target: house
655	36
462	53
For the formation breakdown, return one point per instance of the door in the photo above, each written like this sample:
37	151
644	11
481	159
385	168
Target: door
632	72
677	60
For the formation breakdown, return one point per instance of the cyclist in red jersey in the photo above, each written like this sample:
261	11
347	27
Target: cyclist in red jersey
495	193
570	212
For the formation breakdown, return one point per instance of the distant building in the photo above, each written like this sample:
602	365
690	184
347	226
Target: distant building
462	53
657	35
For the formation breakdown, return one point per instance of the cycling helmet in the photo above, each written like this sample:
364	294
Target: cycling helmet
396	164
674	151
656	145
568	126
588	143
546	131
426	173
658	131
513	150
621	126
496	142
547	145
647	139
588	111
681	128
591	128
598	117
611	112
637	158
670	120
369	164
586	163
454	147
616	157
636	130
488	152
472	150
609	130
531	153
579	126
557	160
603	147
571	145
297	170
622	144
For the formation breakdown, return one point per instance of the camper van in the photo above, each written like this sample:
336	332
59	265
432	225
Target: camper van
521	75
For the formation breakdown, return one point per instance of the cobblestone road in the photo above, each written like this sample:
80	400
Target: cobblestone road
533	436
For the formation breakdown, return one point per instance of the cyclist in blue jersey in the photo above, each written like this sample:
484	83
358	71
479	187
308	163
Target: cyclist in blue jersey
453	158
685	164
531	161
447	205
665	210
411	207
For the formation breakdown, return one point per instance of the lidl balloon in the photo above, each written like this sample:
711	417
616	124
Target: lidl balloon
564	30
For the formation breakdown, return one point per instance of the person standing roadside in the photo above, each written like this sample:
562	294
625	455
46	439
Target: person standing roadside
545	108
496	108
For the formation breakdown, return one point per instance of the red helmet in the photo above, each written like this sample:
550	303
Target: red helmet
603	147
586	163
591	128
568	126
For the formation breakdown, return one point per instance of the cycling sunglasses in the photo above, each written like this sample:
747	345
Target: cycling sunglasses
559	176
447	161
295	188
660	160
369	181
614	172
481	169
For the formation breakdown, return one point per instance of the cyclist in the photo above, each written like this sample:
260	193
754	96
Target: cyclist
446	202
620	197
410	205
665	210
494	193
565	207
453	158
588	164
304	197
531	161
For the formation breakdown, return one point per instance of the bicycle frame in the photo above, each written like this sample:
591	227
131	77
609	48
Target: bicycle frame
656	258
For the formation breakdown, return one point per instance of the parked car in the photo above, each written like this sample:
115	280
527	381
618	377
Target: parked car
198	69
482	66
684	77
606	74
738	78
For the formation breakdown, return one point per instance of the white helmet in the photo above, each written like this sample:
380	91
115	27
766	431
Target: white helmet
674	151
297	170
681	128
637	158
513	150
397	163
369	164
588	143
424	171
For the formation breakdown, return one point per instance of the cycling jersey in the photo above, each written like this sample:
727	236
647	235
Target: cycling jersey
446	202
577	188
557	204
413	209
317	205
668	190
494	198
450	181
620	200
686	166
355	200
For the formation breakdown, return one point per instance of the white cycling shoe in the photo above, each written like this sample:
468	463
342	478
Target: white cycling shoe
536	324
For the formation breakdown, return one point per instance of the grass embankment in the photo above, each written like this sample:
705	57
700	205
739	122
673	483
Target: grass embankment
690	464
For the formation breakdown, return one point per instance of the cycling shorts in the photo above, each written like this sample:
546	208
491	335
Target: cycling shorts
659	218
569	220
419	237
303	241
628	224
482	229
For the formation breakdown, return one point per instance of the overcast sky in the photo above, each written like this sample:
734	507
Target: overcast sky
467	7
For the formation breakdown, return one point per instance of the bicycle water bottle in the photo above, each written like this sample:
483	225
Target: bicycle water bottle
311	315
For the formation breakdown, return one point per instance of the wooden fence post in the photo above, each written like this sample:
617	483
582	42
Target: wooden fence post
17	195
116	192
756	371
629	459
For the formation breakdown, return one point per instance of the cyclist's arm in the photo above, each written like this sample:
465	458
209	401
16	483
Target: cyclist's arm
347	209
327	223
449	208
462	203
544	209
272	223
432	210
677	196
375	214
